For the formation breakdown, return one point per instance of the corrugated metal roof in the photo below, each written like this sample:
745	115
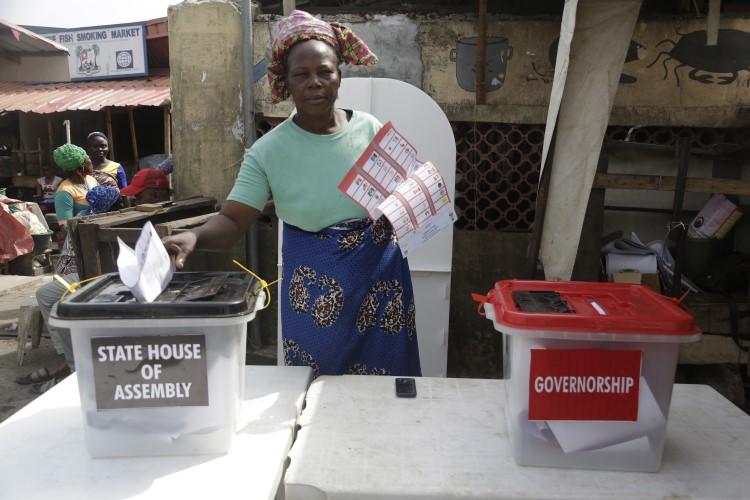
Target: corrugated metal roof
91	95
20	41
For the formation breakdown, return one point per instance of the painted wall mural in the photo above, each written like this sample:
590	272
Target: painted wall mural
498	55
636	52
719	64
670	77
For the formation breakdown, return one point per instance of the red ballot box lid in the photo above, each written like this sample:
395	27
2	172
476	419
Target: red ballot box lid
588	307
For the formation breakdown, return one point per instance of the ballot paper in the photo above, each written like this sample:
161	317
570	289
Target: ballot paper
147	270
388	180
586	436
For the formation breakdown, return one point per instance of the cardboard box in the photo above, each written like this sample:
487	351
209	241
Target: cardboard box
651	280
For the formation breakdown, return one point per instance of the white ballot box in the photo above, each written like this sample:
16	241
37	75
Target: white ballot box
163	377
589	370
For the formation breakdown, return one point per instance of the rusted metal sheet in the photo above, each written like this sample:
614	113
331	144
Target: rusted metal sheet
20	41
92	96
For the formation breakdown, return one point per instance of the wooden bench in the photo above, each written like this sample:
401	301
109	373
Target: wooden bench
95	236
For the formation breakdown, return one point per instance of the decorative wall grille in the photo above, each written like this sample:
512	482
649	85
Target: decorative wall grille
497	173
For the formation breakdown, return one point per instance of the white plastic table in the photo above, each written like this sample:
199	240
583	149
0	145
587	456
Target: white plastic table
43	453
358	441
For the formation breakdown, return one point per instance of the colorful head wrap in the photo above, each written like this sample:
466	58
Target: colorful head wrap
69	157
101	199
300	26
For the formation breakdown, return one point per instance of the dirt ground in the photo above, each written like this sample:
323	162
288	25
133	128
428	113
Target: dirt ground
14	396
14	290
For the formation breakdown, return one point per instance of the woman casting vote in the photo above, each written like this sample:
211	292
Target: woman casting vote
346	295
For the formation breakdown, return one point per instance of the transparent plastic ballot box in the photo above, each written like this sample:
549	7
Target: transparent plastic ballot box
165	377
589	369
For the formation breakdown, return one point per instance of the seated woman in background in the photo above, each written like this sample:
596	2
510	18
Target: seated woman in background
70	198
100	199
46	185
97	146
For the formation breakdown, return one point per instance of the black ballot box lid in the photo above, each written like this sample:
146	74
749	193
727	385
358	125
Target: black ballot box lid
188	294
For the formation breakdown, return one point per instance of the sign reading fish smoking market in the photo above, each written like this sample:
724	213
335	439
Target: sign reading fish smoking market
102	52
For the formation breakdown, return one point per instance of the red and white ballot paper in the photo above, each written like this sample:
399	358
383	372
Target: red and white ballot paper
389	180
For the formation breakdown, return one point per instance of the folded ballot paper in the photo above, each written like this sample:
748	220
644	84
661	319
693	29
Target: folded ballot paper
585	436
575	436
147	270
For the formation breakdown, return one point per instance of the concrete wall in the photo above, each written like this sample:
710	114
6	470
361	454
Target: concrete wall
394	37
206	76
658	86
35	69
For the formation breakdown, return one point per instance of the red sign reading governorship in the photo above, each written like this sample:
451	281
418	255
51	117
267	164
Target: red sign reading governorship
584	384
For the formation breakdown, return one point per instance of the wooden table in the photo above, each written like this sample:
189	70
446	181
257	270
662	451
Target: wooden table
358	441
44	454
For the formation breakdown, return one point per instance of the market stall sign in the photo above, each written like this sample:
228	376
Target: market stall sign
101	52
584	384
150	371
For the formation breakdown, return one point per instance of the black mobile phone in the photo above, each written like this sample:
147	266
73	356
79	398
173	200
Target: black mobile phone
406	388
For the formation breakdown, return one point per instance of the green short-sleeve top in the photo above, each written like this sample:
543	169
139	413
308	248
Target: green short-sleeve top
301	171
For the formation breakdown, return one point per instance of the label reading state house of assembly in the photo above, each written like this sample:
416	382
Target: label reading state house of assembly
150	371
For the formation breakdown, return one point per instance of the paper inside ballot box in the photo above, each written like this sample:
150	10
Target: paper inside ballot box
575	436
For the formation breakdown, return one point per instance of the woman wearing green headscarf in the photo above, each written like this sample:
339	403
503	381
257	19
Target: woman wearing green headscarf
70	198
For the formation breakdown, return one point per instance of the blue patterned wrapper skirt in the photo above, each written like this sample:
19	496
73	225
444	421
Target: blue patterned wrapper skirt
347	304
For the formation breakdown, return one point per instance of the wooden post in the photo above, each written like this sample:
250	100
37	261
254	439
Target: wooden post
683	152
110	135
481	55
289	6
49	139
132	136
712	22
39	152
167	132
541	208
669	183
587	266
